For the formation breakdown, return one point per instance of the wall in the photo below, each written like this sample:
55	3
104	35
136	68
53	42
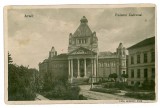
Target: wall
149	65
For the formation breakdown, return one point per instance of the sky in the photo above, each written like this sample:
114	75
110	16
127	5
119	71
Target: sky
31	38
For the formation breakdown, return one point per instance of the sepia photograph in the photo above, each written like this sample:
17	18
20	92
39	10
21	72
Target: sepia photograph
80	54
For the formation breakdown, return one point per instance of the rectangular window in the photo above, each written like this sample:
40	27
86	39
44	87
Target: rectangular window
102	64
153	72
152	56
84	40
132	82
138	58
105	64
132	60
145	73
132	73
78	41
99	64
138	73
145	58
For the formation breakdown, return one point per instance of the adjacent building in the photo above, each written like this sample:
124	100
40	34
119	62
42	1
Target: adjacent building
83	59
141	61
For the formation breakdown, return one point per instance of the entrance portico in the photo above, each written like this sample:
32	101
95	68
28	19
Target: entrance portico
82	65
82	70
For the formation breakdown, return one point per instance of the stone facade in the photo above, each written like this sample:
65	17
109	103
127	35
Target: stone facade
83	59
141	61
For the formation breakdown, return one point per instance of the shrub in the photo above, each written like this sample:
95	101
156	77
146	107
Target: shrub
59	91
73	93
114	76
81	97
148	85
109	85
63	91
120	85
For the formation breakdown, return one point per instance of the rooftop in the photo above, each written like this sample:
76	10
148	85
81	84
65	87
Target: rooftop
146	42
107	54
83	29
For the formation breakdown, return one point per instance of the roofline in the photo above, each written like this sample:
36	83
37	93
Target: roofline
140	42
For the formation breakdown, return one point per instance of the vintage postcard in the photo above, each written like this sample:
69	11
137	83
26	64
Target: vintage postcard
80	54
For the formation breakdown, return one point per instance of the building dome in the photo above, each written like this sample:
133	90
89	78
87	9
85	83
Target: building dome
84	20
120	46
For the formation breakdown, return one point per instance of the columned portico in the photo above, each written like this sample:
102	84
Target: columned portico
81	68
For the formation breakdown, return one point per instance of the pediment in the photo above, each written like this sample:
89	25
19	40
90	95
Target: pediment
81	51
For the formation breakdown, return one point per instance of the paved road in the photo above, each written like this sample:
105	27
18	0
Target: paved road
40	97
100	96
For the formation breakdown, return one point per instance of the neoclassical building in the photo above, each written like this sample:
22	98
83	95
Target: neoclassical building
83	59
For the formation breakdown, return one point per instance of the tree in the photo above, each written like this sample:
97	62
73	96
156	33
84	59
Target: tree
20	82
114	76
124	76
9	58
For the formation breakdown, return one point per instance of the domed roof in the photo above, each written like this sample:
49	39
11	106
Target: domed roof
83	29
84	20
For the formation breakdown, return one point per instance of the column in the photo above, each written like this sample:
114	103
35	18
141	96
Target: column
84	67
78	68
71	68
92	72
69	72
94	67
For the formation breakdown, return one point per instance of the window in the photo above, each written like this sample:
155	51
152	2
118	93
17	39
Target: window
138	58
99	64
153	72
145	58
145	73
132	73
79	41
105	64
82	41
132	60
152	56
123	63
132	82
108	64
85	40
102	64
113	64
138	83
138	73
